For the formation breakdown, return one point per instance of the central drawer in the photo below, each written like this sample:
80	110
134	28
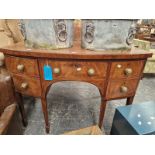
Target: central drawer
76	69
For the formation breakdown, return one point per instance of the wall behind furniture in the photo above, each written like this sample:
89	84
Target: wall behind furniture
10	32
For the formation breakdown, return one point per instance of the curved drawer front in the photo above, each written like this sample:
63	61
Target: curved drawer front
27	85
24	66
73	70
128	69
121	88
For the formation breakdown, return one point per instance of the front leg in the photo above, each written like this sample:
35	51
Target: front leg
129	100
102	112
45	112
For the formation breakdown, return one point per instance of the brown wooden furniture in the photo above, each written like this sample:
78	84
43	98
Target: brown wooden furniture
115	73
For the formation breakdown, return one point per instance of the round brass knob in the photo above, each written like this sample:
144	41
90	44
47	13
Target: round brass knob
20	67
56	70
24	85
128	71
123	89
91	71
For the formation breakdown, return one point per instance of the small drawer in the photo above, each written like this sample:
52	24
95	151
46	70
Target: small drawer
73	70
27	85
24	66
126	69
121	88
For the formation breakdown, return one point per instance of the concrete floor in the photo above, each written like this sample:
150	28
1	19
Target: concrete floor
74	105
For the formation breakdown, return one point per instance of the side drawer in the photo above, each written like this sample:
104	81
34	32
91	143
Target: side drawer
121	88
127	69
27	85
24	66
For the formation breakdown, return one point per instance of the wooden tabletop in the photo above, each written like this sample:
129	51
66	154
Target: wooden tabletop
76	52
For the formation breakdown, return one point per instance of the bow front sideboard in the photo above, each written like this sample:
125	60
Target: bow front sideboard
115	73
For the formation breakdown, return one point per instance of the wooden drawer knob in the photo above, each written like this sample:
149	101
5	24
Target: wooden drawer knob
91	72
20	68
56	70
123	89
24	85
128	71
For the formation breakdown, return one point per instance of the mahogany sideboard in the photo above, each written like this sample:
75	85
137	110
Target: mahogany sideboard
115	73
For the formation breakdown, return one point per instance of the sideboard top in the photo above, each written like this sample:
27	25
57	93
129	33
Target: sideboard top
76	52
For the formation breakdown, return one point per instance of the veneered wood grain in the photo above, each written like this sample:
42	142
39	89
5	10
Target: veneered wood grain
33	89
76	70
117	72
30	65
113	89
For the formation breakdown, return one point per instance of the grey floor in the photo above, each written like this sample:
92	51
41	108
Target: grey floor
74	105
